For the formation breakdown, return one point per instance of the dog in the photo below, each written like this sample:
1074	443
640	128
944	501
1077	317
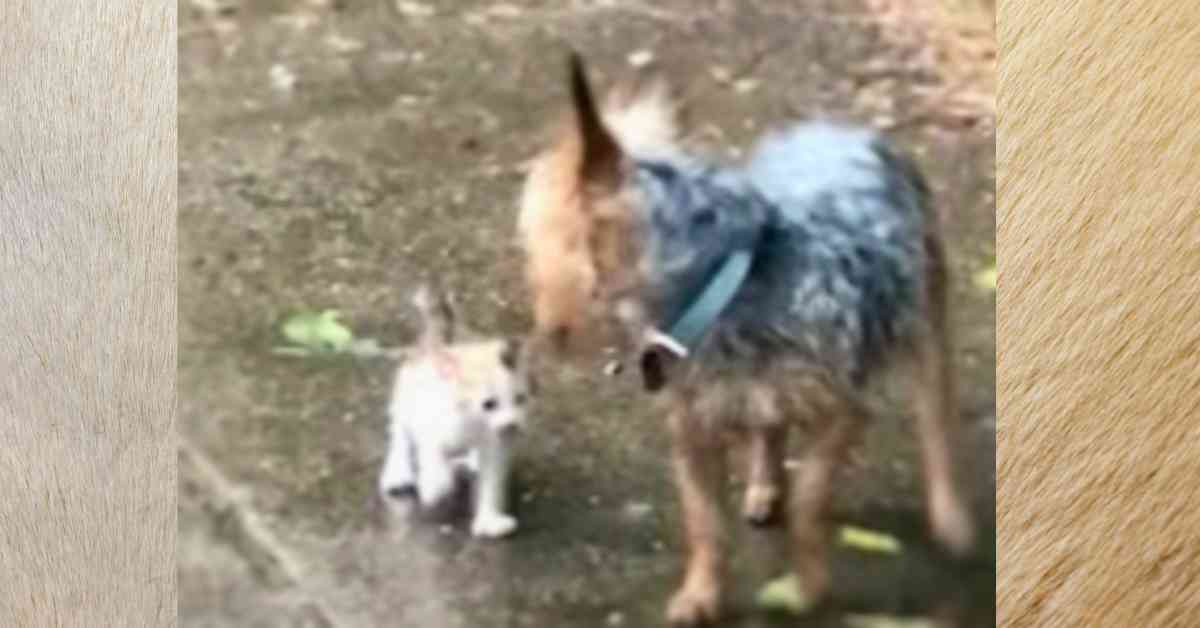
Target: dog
455	407
756	297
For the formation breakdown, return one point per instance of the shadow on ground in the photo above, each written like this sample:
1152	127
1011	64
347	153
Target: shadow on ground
332	154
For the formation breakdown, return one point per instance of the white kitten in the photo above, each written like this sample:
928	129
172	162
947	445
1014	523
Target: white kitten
456	406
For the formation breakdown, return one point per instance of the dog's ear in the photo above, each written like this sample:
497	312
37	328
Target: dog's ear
600	155
646	114
656	364
660	355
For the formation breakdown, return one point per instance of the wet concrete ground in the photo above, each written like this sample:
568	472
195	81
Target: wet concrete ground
332	154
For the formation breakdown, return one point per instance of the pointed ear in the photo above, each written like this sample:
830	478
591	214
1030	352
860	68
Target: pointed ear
510	354
437	316
600	155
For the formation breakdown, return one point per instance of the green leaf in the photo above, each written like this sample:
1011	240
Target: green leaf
318	331
868	540
886	621
784	594
986	278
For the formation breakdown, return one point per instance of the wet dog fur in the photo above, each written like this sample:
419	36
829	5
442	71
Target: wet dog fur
620	223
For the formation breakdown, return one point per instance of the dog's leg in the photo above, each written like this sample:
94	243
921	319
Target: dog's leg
808	514
764	486
491	520
937	420
699	466
937	411
767	444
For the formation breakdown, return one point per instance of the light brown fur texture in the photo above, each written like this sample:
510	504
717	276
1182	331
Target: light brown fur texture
580	243
1098	315
87	312
573	233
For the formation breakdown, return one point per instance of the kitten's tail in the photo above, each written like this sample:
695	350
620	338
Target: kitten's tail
437	317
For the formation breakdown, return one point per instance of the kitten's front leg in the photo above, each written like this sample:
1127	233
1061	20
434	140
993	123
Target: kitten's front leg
491	520
398	478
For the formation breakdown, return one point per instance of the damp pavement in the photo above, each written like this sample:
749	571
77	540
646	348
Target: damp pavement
333	154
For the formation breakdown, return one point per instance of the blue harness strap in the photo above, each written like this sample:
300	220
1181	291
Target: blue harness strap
700	315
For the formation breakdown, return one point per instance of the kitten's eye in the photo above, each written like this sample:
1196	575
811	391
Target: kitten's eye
519	399
490	404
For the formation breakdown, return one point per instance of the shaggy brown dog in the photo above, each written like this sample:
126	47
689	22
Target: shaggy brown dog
623	230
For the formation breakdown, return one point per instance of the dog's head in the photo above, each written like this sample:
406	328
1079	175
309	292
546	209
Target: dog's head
580	234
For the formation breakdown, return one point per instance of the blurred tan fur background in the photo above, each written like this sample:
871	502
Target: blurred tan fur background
87	313
1098	314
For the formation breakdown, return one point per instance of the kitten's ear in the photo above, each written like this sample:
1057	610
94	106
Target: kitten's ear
437	316
510	354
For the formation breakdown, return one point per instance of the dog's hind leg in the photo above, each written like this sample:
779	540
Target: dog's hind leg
811	494
699	463
937	415
937	420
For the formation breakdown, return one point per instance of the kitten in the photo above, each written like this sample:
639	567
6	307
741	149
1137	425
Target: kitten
455	406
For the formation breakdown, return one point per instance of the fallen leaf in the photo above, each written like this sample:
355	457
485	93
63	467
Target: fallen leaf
868	540
986	278
887	621
318	331
784	594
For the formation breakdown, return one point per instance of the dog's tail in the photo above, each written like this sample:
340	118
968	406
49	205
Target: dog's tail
437	317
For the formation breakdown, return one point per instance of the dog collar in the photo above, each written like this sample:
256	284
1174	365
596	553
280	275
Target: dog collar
699	316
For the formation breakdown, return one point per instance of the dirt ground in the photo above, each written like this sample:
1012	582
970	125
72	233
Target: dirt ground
332	154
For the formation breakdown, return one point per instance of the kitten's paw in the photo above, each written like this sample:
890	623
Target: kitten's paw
493	525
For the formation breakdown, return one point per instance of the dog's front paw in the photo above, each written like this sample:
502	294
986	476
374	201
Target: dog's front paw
493	525
760	503
694	605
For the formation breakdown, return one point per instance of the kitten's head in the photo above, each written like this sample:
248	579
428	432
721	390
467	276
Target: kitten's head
491	380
